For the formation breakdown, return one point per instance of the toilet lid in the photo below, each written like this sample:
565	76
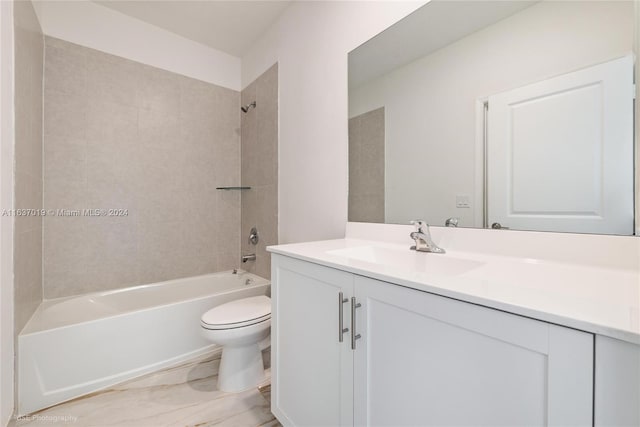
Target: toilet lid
242	312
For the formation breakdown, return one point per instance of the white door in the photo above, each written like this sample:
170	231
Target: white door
312	371
426	360
560	153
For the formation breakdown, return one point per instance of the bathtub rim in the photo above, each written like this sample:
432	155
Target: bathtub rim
24	331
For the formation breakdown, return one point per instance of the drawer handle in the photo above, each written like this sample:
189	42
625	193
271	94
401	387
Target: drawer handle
354	336
341	329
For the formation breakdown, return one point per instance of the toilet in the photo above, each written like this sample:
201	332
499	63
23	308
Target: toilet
239	327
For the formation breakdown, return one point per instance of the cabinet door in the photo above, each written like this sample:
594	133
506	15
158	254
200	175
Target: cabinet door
617	382
429	360
312	371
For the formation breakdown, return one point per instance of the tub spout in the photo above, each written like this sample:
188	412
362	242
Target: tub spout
250	257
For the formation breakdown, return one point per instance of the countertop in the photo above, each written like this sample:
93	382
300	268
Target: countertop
595	299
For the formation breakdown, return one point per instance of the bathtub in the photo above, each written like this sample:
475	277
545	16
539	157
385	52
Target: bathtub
78	345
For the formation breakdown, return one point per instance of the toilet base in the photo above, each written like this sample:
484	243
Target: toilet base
241	368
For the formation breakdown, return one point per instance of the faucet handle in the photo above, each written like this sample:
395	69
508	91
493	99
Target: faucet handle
451	222
419	225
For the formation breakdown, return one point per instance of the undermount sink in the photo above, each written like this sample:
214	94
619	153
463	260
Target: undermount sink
423	262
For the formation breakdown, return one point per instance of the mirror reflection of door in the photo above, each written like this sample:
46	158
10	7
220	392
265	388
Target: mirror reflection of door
560	152
570	167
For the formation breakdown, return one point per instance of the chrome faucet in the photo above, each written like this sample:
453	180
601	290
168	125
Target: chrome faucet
451	222
249	257
423	240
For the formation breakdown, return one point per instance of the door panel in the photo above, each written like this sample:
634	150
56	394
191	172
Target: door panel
560	152
428	360
311	370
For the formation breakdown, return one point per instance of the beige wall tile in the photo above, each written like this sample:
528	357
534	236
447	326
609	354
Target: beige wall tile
67	163
228	206
199	141
226	168
28	275
267	127
28	195
200	204
201	264
366	167
260	170
111	124
366	208
249	137
229	106
65	120
64	255
65	68
227	260
112	79
227	233
66	245
29	47
65	282
158	90
65	192
159	243
198	100
112	255
159	130
201	237
119	134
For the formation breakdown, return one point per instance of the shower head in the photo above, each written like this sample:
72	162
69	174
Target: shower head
248	107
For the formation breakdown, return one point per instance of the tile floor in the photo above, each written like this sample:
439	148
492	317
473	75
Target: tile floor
185	395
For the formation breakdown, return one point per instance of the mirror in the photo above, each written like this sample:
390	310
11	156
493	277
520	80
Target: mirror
497	114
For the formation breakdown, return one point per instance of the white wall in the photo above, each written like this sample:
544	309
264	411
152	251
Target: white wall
636	48
91	25
310	42
6	202
430	103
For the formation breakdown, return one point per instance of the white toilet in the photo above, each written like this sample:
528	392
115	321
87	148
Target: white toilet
239	327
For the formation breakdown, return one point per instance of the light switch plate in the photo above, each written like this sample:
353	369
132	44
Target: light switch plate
463	201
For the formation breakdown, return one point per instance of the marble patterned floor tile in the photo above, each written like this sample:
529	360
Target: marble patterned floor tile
184	395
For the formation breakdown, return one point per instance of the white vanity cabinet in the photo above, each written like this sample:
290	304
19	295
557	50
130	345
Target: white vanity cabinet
421	359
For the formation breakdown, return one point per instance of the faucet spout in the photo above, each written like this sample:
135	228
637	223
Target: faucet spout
422	237
250	257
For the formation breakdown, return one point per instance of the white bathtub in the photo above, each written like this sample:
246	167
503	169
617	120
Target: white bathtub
78	345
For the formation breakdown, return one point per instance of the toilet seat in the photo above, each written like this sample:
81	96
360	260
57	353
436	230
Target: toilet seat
238	314
235	325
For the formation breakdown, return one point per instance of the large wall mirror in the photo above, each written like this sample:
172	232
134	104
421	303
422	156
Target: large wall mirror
497	114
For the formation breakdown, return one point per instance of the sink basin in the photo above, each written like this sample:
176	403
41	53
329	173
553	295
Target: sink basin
423	262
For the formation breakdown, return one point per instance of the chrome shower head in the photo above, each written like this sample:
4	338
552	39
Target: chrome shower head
247	107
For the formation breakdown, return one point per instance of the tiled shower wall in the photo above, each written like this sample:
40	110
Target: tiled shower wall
123	135
260	169
366	167
29	46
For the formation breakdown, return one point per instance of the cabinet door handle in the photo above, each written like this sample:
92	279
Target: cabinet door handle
341	329
354	336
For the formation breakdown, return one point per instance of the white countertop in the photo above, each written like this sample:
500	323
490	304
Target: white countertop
596	299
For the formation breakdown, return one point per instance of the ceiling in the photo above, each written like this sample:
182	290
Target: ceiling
230	26
433	26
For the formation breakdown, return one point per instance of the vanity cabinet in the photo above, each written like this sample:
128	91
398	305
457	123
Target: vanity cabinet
420	359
